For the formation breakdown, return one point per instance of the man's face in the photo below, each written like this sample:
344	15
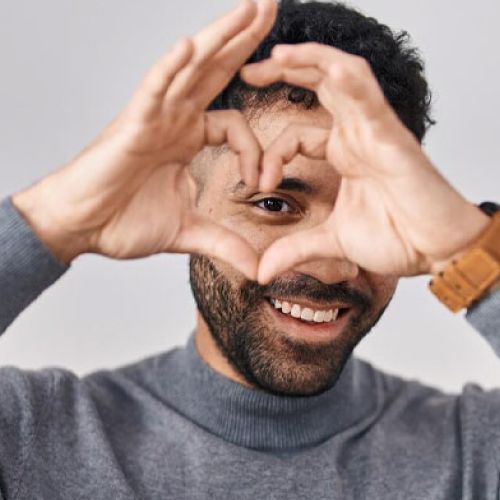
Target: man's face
255	326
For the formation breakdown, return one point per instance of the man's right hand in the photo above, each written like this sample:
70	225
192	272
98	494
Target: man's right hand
129	193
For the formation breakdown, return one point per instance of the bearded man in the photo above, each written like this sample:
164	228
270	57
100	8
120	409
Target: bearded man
300	189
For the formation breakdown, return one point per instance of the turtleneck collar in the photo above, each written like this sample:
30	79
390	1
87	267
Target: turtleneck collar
254	418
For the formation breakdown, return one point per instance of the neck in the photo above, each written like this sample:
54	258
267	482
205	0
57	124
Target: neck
214	397
211	354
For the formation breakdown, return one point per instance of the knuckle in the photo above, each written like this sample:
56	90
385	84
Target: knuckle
340	74
349	70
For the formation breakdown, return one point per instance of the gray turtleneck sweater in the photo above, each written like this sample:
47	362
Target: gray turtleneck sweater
171	427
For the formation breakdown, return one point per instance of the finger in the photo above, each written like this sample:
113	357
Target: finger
204	236
343	82
348	78
297	248
213	38
149	95
231	57
313	54
269	71
209	42
231	127
294	140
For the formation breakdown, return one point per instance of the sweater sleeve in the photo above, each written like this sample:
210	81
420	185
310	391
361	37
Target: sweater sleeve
27	267
485	318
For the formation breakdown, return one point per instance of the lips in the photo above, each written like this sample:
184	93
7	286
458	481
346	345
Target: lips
308	330
308	313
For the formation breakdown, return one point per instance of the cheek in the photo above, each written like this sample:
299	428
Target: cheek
259	234
234	278
383	288
258	231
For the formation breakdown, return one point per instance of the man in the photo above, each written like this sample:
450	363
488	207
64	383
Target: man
297	243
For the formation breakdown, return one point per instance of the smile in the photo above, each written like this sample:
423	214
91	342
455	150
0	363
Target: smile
307	314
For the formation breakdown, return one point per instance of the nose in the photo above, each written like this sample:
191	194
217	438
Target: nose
329	271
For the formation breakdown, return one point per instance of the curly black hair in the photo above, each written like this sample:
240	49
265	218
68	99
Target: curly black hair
396	64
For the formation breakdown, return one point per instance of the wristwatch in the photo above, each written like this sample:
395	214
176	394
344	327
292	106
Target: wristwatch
469	277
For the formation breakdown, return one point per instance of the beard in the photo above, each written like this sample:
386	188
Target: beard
266	357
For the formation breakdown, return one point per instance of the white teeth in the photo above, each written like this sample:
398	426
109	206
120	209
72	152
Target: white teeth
307	314
319	316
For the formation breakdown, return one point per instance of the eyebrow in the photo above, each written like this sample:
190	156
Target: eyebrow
287	184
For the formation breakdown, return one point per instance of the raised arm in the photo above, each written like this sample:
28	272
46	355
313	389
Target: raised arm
26	265
129	193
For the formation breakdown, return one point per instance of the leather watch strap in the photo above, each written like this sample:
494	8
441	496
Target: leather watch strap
465	280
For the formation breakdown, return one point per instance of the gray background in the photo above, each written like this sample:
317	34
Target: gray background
68	67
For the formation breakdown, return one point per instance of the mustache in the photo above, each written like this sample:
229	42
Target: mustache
307	287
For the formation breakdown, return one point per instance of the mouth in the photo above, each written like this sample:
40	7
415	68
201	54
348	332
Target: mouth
309	321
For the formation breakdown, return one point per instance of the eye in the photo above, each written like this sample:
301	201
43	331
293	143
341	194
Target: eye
274	205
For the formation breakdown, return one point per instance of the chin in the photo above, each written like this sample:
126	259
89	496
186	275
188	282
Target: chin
277	362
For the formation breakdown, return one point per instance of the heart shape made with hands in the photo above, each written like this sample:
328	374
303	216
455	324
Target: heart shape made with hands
385	215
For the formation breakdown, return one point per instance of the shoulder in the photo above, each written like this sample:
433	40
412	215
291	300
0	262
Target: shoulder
428	418
412	395
26	408
24	390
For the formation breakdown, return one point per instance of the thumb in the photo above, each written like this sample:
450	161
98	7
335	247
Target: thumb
297	248
201	235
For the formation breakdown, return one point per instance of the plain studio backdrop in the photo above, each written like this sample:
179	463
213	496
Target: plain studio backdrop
69	67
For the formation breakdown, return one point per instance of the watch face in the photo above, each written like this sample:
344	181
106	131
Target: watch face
488	207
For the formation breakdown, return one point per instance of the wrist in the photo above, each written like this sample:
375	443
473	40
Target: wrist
472	273
64	245
474	225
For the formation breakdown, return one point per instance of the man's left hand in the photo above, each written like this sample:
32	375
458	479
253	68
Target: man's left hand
395	213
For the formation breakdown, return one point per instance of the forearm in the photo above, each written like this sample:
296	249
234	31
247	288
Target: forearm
27	267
